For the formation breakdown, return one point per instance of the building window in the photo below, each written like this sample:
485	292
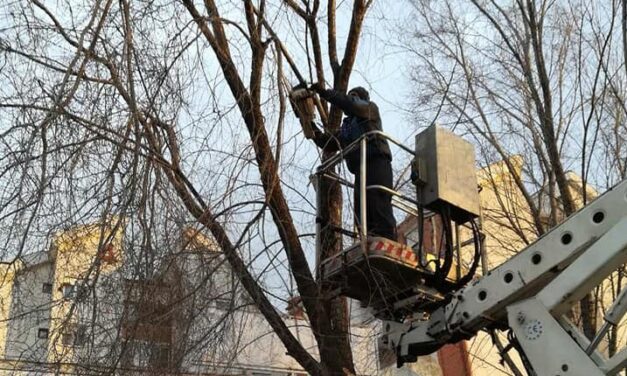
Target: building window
75	335
81	293
160	356
68	291
146	354
131	312
46	288
42	333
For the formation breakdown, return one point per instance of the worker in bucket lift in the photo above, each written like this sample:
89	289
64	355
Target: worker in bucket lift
362	116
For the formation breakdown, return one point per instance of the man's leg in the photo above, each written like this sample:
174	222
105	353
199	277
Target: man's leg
356	203
380	216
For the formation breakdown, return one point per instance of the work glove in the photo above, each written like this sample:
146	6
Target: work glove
317	87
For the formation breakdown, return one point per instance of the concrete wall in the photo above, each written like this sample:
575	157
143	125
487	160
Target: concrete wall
7	275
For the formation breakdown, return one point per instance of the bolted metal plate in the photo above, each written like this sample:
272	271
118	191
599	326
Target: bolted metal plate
533	330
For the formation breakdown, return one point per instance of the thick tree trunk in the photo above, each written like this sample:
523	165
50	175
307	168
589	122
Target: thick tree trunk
335	351
329	318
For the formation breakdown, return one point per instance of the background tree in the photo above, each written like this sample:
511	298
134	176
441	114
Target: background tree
544	80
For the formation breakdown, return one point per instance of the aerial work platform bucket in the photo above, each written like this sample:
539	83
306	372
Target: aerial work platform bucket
394	279
387	276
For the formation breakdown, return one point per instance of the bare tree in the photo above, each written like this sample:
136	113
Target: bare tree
541	80
166	114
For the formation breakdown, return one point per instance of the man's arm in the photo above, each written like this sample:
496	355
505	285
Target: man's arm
326	141
350	105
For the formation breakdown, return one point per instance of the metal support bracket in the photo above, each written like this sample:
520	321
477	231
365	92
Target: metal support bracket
549	348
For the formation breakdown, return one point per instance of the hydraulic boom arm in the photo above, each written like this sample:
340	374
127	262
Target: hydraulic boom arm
531	292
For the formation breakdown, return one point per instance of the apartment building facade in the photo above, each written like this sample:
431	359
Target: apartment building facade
78	307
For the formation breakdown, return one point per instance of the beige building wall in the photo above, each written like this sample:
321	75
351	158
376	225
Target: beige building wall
82	255
509	228
506	218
